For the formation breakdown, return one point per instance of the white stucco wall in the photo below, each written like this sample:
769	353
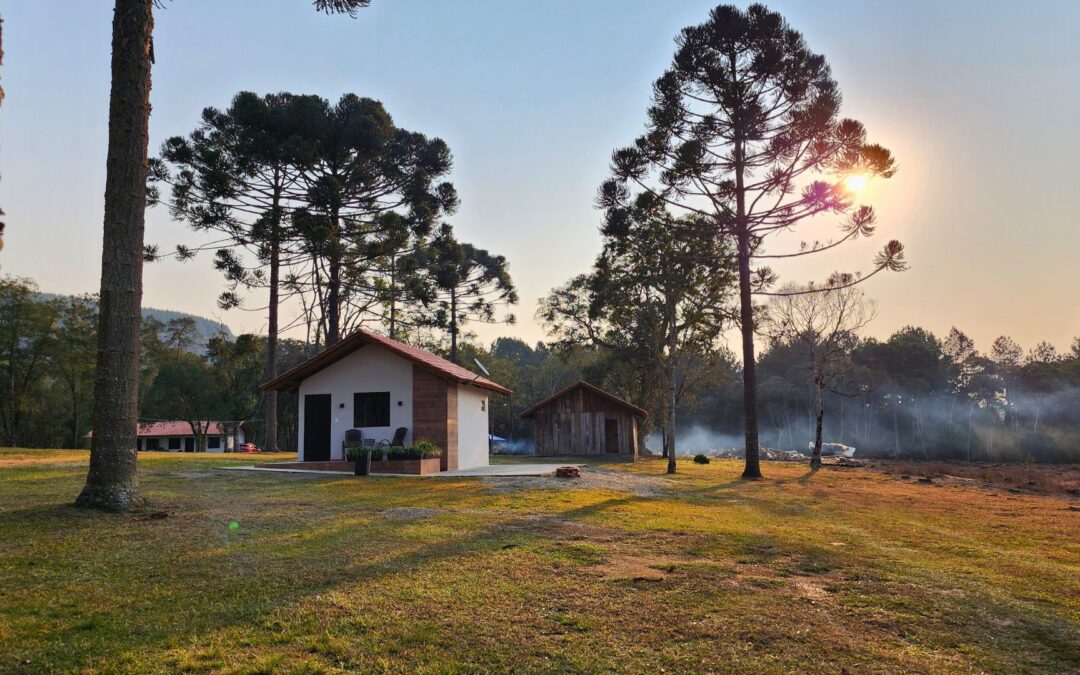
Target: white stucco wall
369	369
473	407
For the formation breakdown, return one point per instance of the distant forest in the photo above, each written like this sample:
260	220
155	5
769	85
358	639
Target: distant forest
914	394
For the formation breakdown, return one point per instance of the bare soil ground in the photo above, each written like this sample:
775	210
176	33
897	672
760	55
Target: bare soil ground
1061	480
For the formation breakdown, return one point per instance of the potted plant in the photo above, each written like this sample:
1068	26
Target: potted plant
361	459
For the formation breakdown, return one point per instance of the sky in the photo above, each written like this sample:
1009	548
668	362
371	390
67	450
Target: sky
977	100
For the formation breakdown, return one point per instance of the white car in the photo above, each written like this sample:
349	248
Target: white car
834	450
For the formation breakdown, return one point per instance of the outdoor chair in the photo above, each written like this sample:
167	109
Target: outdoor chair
399	438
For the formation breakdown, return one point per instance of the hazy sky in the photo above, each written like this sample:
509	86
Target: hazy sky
980	102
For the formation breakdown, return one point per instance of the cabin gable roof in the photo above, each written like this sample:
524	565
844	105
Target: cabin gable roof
290	380
591	389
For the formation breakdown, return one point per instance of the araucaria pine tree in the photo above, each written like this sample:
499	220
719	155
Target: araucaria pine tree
112	482
236	176
745	130
462	283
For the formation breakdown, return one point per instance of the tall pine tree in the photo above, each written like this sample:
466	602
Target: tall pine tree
744	130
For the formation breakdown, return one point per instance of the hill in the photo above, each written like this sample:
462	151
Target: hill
207	328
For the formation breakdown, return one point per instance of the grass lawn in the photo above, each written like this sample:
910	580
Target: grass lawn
624	570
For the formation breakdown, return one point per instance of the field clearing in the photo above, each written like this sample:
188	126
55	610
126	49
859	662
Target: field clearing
633	571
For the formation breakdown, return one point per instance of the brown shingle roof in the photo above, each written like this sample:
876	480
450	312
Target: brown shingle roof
290	380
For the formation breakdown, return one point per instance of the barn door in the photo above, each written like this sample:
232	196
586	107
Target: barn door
611	435
317	428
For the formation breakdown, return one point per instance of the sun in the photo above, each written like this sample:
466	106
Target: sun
856	182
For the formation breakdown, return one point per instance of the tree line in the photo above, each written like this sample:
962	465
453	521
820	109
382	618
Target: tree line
47	361
913	394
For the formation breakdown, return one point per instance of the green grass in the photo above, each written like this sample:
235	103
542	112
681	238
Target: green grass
842	569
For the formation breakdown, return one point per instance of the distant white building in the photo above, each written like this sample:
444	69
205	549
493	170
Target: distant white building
178	436
375	384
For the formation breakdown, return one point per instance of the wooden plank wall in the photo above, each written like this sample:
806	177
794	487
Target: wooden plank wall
435	414
574	425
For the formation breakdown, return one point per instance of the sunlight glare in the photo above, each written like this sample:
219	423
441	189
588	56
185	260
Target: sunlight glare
857	182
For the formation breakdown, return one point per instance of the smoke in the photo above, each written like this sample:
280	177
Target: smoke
518	447
1013	426
1006	426
696	439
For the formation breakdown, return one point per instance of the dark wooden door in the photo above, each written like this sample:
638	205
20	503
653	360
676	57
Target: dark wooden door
611	435
317	428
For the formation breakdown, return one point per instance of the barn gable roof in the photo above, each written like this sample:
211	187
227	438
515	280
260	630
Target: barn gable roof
582	384
290	380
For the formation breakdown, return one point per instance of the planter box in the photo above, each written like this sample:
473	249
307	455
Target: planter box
419	467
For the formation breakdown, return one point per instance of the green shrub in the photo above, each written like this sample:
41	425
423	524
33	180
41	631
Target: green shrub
700	459
422	449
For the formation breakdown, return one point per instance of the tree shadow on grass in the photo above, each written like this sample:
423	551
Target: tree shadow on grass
130	587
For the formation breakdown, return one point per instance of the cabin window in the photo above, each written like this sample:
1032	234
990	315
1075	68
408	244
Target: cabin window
371	409
152	444
483	405
213	442
174	443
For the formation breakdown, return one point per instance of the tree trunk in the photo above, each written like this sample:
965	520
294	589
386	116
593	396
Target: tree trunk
453	326
920	430
270	397
896	428
393	297
112	482
669	394
819	414
752	470
971	414
333	291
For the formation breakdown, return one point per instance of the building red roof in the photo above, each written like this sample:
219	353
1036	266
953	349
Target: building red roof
290	380
177	429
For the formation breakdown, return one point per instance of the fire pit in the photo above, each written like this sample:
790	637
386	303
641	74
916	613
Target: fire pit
567	472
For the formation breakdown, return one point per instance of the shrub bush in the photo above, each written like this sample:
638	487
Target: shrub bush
422	449
700	459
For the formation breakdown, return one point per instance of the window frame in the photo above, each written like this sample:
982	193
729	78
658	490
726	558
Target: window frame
375	403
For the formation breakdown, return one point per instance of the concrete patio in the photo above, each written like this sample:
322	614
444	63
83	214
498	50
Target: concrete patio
492	470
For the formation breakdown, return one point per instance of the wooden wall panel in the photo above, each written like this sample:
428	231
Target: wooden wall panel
559	431
450	451
434	417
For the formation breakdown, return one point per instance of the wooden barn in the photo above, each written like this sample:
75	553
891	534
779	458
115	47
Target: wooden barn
585	420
